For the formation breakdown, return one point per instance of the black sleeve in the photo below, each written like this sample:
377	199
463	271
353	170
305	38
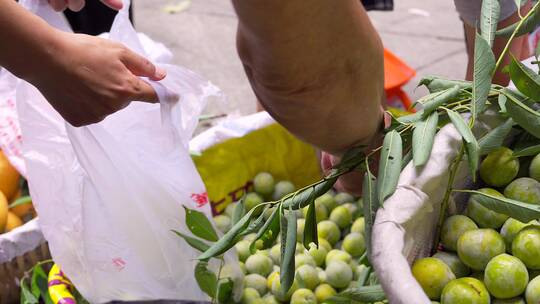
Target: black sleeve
378	5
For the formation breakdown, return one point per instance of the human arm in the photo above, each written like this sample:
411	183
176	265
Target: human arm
316	67
84	78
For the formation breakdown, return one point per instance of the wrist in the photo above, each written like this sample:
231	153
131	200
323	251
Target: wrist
371	142
34	51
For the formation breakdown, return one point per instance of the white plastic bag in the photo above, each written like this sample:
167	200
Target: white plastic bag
109	194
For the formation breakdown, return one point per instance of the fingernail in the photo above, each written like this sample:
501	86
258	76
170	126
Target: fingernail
160	73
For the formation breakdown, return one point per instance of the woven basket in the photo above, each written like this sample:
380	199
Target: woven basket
20	250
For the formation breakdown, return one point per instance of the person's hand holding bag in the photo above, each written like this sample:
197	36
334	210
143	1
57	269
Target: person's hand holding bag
90	78
84	78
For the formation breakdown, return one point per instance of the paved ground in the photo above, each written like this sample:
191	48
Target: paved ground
425	34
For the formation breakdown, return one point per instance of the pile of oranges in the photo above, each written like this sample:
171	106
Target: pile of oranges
14	207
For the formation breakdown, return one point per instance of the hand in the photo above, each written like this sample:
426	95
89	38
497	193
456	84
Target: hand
352	182
77	5
86	78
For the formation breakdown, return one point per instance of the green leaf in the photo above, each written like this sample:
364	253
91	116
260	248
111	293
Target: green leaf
288	248
524	140
39	284
364	260
439	99
21	201
471	145
239	211
224	291
228	239
501	100
389	165
206	279
461	126
308	195
269	231
436	84
26	295
525	79
366	294
199	225
411	118
484	65
193	242
521	113
473	157
423	136
521	211
489	19
529	25
352	158
254	225
373	280
310	227
363	276
370	206
528	151
495	138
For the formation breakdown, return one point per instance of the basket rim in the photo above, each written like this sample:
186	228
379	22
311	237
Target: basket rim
20	240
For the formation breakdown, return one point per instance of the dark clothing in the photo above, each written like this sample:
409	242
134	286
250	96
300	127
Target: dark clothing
94	19
379	5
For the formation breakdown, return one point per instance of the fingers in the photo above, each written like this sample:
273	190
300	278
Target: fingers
143	91
75	5
58	5
114	4
141	66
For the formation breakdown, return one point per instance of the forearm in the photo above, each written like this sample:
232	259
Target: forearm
316	66
25	39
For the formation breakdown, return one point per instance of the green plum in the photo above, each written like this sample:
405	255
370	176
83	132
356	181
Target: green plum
465	291
432	274
484	217
526	246
282	188
499	167
329	231
338	274
255	281
264	184
456	265
477	247
532	293
343	197
506	276
452	229
524	189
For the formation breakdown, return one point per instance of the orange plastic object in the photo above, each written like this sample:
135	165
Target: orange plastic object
396	74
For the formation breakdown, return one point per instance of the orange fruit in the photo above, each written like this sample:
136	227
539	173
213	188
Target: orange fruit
23	209
3	211
9	177
13	221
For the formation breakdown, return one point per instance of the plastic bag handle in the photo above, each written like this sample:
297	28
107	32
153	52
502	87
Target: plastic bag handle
122	30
